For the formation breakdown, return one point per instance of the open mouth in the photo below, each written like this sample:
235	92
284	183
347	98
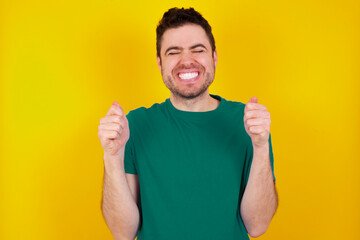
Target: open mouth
188	76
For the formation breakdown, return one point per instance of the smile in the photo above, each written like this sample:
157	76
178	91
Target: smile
187	76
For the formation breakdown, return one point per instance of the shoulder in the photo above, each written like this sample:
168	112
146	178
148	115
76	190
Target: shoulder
142	114
232	106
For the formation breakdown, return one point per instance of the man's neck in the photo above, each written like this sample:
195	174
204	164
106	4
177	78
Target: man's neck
202	103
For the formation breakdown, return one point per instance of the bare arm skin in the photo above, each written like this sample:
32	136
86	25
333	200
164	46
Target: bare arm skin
120	190
260	199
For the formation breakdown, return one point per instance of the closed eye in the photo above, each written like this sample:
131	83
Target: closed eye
173	53
198	50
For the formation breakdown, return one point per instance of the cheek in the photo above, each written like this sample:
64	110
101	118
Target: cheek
206	62
168	66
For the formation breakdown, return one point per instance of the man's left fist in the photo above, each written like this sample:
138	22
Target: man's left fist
257	122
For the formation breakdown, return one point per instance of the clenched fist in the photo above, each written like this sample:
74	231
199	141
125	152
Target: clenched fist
257	122
114	130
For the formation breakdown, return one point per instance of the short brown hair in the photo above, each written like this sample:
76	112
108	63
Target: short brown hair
177	17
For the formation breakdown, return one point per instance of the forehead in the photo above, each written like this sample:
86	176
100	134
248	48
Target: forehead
184	36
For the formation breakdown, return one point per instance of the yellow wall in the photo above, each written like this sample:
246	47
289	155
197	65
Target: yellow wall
63	63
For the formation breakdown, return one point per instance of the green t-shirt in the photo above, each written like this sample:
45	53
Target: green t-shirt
193	168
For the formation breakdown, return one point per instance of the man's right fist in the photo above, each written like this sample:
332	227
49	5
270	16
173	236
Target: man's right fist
114	130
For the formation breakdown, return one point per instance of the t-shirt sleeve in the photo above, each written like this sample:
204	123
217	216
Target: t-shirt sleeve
248	161
129	157
271	158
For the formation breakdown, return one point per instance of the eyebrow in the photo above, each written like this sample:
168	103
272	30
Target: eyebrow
172	48
179	48
198	45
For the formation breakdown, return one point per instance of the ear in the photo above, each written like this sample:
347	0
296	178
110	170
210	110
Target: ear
215	57
158	62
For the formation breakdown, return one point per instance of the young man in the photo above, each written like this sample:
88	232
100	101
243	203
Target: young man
195	166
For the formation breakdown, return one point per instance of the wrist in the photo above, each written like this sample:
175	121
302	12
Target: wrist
263	148
113	155
114	161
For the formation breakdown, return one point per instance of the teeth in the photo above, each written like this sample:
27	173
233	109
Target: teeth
188	75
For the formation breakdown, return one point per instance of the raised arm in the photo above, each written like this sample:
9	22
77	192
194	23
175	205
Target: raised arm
120	190
260	199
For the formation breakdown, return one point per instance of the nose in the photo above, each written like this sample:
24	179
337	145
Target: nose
186	58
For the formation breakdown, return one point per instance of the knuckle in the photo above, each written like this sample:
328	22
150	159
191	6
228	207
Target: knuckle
114	134
117	126
110	135
117	118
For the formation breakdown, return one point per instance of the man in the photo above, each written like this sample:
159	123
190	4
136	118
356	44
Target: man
195	166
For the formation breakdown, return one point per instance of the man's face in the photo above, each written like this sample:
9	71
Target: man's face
187	62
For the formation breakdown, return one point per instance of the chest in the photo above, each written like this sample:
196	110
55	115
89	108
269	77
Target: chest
212	152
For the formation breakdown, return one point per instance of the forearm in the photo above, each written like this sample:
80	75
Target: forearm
259	201
119	208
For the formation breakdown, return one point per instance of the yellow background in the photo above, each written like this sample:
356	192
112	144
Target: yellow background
63	63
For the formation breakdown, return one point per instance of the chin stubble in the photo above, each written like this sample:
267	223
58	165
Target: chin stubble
188	94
